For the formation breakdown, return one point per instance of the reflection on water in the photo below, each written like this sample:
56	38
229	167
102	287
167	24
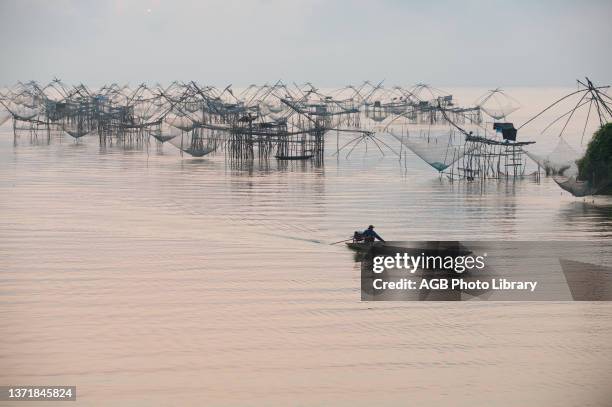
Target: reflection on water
140	276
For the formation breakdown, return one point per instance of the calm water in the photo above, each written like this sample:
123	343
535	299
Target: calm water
144	278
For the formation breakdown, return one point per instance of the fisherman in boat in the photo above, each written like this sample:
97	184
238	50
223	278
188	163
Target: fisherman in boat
367	236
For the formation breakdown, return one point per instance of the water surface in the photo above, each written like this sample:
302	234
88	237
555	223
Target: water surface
147	278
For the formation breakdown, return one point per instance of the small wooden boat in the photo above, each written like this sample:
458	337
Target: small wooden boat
425	248
364	247
294	157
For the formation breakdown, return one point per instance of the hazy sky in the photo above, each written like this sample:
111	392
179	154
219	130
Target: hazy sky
331	43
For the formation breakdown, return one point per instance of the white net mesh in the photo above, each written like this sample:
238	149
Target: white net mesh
76	129
198	142
273	113
559	161
165	132
497	104
573	186
183	123
440	150
21	111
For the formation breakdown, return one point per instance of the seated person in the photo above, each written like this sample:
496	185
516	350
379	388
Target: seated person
369	235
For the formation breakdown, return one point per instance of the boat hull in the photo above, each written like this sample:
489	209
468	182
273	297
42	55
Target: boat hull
414	248
294	157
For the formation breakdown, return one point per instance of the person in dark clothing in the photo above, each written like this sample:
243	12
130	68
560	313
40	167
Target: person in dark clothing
369	235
